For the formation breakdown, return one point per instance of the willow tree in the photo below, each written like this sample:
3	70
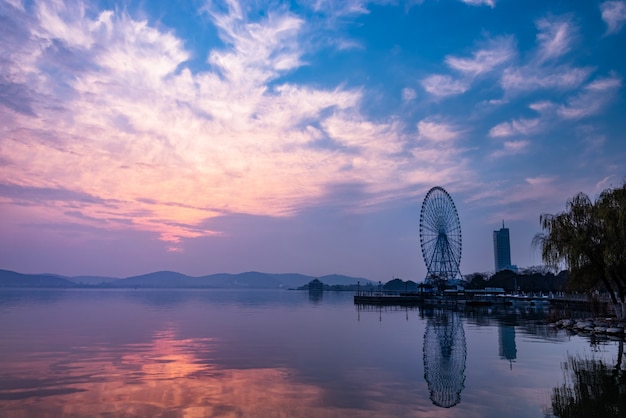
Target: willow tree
590	239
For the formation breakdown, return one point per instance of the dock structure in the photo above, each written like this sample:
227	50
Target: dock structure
599	303
481	297
389	299
379	296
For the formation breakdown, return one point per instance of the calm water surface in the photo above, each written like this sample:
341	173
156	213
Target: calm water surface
222	353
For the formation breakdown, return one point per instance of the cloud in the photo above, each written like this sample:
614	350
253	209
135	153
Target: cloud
511	148
539	181
555	37
593	97
408	94
112	111
498	52
604	183
529	78
542	106
490	3
261	51
614	15
535	194
516	127
341	8
444	85
494	53
343	44
437	132
29	195
502	130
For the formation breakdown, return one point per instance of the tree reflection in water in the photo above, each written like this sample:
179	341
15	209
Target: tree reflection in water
592	388
445	353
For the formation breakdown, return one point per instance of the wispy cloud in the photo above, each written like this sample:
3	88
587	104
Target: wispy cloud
491	3
614	15
510	148
539	181
408	94
173	147
516	127
444	85
341	8
555	37
592	98
529	78
262	50
604	183
492	54
496	53
541	106
437	131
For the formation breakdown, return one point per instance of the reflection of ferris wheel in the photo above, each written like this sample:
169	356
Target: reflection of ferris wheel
445	354
440	235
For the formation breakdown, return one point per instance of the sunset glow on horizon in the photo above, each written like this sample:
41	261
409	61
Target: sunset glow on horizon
208	137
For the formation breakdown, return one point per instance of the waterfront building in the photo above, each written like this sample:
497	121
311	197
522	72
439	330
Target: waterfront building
502	250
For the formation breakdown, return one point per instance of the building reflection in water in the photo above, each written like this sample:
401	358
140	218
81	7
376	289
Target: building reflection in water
445	354
506	343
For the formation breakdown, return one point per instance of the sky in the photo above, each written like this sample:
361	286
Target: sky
232	136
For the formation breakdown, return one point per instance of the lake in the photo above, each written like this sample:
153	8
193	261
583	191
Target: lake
233	353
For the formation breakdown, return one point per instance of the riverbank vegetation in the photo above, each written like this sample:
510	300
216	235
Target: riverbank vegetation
589	239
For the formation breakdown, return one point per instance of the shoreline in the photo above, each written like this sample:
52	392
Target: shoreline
603	326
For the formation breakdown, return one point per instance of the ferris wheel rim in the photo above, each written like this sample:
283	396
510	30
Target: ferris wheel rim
440	233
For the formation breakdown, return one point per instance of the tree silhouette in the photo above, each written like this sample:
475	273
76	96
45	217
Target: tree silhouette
590	238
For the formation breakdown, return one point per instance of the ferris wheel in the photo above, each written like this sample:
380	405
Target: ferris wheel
440	235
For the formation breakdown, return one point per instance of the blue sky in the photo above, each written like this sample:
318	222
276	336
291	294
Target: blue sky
299	136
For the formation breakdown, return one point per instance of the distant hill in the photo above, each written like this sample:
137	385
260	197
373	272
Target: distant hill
247	280
12	279
171	279
162	279
337	279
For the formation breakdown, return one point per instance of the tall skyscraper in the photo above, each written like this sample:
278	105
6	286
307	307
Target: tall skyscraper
502	249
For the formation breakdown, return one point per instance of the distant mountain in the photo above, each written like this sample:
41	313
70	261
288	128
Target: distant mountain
171	279
157	279
337	279
12	279
247	280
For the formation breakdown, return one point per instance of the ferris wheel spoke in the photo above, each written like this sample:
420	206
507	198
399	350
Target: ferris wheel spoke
454	240
431	229
429	240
